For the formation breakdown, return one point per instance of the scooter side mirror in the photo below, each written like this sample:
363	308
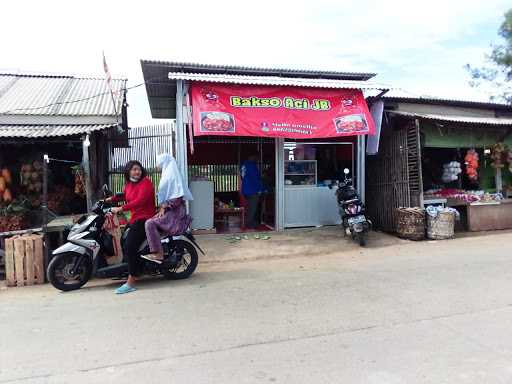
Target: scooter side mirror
106	192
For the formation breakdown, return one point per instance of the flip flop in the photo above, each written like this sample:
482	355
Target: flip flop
257	237
265	238
150	258
246	237
125	288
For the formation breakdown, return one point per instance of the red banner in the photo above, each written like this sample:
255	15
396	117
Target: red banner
301	113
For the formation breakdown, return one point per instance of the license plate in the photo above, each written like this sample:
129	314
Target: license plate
357	219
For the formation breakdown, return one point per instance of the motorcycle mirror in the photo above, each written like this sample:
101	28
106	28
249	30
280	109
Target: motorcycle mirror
346	171
106	191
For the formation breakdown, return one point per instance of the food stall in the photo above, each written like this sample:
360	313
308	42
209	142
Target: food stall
48	115
476	182
310	168
312	124
446	152
21	183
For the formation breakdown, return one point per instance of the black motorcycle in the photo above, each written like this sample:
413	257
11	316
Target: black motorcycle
352	211
89	245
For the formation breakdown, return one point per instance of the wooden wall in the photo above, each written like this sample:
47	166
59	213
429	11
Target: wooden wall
393	176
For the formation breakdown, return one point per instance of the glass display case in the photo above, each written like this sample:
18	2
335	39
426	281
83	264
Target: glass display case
300	173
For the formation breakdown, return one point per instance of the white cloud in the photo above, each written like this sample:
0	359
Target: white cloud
415	44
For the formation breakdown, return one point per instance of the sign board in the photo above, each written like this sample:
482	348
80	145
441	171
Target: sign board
287	112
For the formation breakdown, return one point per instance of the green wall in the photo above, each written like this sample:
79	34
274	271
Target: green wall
445	136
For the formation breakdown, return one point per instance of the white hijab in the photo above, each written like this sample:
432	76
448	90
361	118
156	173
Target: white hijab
171	182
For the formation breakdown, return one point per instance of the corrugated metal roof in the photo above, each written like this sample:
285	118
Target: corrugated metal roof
275	80
398	95
58	95
254	71
458	119
38	131
5	83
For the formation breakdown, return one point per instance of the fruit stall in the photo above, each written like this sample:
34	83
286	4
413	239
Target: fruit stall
56	140
445	153
21	185
469	169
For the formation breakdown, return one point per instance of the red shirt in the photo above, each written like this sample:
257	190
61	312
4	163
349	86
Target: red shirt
140	199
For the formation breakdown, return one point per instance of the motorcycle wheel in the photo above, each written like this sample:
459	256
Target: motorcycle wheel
361	238
59	271
187	263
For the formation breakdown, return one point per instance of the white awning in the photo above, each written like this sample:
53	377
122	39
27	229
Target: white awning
277	80
457	119
49	130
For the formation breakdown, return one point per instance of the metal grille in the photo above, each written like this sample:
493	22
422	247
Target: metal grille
145	143
225	177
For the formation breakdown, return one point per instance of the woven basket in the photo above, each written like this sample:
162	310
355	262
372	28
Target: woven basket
441	227
410	223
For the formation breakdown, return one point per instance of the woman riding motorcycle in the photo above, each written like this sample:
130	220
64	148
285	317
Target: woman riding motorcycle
139	198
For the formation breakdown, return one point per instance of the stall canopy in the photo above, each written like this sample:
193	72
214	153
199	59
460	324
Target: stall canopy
161	84
40	106
455	131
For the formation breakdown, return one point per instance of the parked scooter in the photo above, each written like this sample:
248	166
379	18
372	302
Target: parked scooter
352	210
89	244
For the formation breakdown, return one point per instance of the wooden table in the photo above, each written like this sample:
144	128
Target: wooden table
58	224
224	213
490	216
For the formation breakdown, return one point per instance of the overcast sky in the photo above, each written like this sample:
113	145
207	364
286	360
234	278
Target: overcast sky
419	46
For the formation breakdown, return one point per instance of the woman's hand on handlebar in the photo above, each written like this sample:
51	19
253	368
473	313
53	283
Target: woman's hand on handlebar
116	210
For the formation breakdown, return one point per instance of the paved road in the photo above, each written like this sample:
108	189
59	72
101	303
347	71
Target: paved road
437	312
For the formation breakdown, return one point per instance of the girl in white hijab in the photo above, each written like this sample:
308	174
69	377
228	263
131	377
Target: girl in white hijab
172	215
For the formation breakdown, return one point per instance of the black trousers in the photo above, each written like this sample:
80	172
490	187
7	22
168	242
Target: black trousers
136	235
252	214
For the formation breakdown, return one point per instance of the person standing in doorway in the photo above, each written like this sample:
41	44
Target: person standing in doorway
252	187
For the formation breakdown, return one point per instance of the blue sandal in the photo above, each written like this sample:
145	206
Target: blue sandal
125	288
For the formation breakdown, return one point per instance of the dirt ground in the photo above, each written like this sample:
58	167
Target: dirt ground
291	243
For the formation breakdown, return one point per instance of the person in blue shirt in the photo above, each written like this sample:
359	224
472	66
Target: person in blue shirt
252	187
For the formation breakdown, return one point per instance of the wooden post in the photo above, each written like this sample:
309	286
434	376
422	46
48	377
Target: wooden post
499	181
44	206
87	171
420	164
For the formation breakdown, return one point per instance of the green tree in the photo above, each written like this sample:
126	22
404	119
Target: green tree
498	73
